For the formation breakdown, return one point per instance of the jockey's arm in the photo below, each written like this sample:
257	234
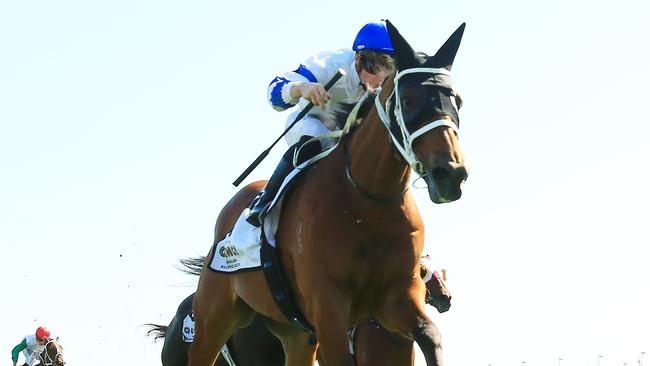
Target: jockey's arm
313	92
286	90
16	351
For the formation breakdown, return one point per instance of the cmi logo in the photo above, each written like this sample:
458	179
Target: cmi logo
228	251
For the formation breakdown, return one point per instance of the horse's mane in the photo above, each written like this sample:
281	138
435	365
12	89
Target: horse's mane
191	266
341	113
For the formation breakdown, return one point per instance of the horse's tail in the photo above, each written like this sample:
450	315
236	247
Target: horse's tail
192	266
156	331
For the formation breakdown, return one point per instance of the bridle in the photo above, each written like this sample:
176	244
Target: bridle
405	146
45	355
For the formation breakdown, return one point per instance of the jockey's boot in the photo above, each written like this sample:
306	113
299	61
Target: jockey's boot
283	169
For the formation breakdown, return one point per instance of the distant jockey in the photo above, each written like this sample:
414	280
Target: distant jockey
32	345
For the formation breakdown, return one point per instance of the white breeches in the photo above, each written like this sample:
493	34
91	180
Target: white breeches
308	126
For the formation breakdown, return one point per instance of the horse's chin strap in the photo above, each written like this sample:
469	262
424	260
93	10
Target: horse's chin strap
405	147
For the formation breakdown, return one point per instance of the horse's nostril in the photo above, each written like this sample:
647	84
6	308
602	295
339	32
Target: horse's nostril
462	173
440	174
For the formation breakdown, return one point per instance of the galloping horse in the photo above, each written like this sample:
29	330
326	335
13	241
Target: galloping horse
255	345
53	353
350	235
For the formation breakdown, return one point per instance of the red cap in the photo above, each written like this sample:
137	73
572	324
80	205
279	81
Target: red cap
42	333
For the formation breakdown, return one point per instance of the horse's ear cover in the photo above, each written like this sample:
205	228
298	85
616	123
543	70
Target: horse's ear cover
404	54
407	58
445	56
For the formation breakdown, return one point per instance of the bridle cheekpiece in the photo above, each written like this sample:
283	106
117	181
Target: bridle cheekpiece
405	147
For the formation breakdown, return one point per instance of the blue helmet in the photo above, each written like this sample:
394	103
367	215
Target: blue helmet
374	37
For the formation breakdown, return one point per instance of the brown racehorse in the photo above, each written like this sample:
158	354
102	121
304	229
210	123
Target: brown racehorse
53	353
350	236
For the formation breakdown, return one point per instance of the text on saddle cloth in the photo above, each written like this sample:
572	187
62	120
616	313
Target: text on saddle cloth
240	249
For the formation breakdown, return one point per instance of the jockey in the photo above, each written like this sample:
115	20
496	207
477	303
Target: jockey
367	63
32	346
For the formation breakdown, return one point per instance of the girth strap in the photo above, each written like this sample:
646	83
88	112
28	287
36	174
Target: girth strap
279	286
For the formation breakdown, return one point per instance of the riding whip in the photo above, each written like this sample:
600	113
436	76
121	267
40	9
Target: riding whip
303	112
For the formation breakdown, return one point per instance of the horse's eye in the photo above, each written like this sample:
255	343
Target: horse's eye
409	99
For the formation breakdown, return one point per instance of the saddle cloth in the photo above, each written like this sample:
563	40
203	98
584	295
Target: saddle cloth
240	249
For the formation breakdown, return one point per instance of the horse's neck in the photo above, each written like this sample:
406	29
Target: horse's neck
374	164
46	351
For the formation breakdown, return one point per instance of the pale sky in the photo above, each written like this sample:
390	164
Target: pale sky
123	124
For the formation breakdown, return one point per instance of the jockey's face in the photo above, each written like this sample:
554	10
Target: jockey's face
41	341
371	74
372	81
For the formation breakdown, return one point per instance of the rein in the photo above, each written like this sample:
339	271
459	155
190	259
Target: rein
368	195
404	147
47	360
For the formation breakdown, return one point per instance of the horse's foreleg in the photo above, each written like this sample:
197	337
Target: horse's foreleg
330	315
406	315
427	336
297	349
376	346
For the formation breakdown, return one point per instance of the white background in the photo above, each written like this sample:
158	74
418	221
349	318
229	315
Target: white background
123	124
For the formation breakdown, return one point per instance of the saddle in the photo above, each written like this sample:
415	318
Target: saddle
248	247
271	265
